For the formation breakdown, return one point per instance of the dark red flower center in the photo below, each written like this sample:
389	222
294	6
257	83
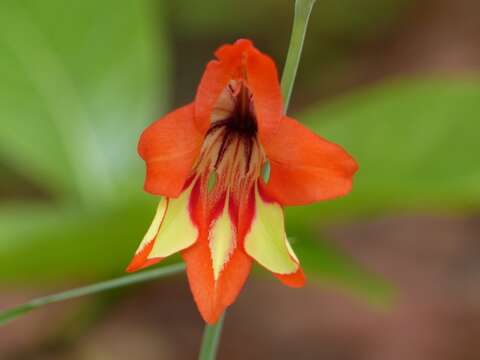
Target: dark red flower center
231	147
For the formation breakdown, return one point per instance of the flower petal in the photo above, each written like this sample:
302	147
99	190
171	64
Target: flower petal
215	78
262	79
214	296
169	147
140	260
306	168
217	266
172	230
266	241
221	238
241	60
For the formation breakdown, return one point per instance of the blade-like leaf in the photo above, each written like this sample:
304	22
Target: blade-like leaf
76	90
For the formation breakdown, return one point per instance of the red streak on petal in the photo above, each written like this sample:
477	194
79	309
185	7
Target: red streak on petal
246	214
217	208
140	260
195	207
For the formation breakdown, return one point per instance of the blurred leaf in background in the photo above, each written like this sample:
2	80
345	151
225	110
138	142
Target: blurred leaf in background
416	143
79	83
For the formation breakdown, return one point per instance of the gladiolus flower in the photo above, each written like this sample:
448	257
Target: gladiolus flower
226	165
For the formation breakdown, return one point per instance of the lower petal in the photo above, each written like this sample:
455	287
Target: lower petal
266	240
221	238
211	295
217	267
172	230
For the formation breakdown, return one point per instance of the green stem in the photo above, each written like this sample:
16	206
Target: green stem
211	339
12	313
303	8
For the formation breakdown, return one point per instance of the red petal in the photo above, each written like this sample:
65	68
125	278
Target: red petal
216	77
241	61
169	147
212	298
306	168
262	79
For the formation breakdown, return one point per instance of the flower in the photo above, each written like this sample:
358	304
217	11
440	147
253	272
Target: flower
226	165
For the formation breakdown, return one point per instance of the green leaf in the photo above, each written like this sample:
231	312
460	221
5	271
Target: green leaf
76	90
416	143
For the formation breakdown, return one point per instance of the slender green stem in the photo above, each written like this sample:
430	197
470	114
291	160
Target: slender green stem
211	339
303	8
12	313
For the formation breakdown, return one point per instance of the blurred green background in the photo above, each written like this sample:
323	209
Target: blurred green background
396	82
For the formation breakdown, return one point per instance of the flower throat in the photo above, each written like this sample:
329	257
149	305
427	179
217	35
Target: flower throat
231	147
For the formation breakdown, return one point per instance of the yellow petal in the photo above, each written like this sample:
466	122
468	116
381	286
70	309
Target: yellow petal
221	241
267	242
153	229
177	230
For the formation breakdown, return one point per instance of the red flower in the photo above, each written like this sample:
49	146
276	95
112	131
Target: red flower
226	164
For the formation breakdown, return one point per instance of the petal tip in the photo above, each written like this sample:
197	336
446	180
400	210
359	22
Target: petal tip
235	49
139	263
295	280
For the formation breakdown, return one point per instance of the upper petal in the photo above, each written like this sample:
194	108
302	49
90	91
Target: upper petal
215	78
305	167
241	61
169	147
262	79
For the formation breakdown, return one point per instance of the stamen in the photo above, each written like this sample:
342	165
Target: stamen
248	153
227	139
231	157
217	125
